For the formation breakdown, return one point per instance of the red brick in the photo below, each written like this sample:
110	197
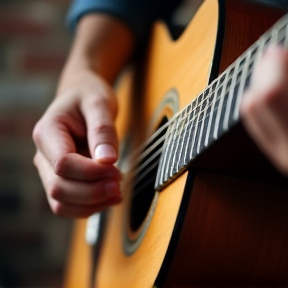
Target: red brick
8	126
26	122
20	126
16	24
66	3
42	61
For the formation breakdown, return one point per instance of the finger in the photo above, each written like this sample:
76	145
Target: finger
79	211
270	72
269	133
73	191
53	138
260	122
78	167
99	114
264	107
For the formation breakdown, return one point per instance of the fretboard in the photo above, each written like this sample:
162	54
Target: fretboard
214	112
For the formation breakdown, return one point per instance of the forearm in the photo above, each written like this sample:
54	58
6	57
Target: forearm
102	44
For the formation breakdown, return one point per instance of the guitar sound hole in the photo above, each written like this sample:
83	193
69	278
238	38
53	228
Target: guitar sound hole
143	188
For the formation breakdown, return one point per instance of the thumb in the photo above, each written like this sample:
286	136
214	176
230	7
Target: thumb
99	115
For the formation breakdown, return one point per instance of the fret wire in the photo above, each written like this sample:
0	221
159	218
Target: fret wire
189	115
184	129
215	96
197	125
241	89
176	140
261	47
208	88
163	158
230	96
282	36
199	132
203	119
193	109
255	45
257	53
220	108
180	126
168	149
197	105
265	37
202	127
196	128
274	37
210	120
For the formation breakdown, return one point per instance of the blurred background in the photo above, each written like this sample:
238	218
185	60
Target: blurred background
34	41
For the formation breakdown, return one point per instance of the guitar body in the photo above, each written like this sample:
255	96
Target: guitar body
211	226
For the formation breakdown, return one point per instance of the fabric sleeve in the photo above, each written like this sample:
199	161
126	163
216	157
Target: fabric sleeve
136	14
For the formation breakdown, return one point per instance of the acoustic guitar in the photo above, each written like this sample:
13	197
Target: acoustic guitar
202	206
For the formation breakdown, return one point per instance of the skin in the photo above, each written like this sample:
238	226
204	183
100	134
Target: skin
76	139
264	106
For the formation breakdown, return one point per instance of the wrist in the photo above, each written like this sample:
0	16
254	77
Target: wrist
102	44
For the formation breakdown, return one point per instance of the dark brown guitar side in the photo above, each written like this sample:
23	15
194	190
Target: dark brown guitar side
236	224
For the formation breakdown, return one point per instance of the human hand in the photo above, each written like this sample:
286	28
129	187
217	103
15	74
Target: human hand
77	146
264	108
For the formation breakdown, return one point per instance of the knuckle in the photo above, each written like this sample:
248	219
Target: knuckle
36	134
104	128
107	102
58	209
61	164
273	96
54	190
249	106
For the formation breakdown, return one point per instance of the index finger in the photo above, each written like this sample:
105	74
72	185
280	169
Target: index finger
55	141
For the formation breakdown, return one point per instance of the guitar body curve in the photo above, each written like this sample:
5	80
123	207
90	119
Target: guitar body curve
205	228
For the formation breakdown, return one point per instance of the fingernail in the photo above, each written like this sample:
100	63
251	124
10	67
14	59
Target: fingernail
105	152
112	189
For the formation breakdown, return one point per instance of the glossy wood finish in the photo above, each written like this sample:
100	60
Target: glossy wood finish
235	233
161	74
245	22
235	230
79	261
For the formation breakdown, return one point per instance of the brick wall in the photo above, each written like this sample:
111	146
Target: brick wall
33	46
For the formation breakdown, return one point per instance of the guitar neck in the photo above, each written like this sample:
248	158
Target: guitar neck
214	112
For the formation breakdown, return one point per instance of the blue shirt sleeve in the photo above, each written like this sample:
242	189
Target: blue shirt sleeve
137	14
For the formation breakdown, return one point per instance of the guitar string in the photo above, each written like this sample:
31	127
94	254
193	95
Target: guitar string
228	70
140	149
139	169
160	140
140	176
208	88
143	155
282	23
